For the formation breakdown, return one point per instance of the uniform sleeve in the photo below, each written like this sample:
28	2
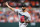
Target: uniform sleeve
29	17
16	10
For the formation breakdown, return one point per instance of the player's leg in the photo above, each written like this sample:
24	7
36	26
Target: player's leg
22	24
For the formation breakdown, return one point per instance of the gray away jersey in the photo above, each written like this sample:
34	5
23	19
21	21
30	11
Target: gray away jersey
20	13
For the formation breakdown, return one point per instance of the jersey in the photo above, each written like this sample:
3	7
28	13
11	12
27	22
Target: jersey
22	14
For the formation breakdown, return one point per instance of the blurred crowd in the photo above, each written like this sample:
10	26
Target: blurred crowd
8	16
12	16
33	3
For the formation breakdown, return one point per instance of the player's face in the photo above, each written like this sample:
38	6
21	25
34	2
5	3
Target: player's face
23	8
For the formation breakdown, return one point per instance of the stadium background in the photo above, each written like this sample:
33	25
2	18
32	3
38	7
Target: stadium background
8	18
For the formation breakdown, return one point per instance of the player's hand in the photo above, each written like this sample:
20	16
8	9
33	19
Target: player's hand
6	3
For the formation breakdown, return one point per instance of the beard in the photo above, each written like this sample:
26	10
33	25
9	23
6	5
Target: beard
23	9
